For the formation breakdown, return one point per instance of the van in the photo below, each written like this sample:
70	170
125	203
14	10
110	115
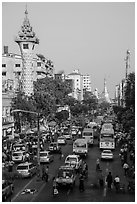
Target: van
80	147
26	169
88	135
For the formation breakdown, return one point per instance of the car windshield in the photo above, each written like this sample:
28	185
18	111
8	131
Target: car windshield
64	173
81	145
17	154
43	154
22	167
71	159
61	138
87	133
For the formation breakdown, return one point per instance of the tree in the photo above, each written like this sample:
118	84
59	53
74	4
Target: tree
130	91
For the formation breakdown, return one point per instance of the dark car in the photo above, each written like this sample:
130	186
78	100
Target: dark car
54	147
66	176
7	189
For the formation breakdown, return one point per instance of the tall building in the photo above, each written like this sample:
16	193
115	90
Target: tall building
26	40
77	84
87	82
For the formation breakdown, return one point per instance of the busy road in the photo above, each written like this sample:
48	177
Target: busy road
92	193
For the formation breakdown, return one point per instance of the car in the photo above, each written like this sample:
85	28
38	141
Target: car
46	157
61	140
7	189
26	169
66	176
67	134
74	160
107	154
19	156
54	147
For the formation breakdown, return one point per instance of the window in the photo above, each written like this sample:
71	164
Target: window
3	73
39	64
3	65
17	65
25	46
19	73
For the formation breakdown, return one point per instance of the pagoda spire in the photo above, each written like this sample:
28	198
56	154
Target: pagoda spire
106	95
26	11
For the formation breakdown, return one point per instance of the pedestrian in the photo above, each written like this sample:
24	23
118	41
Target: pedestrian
97	164
125	167
47	173
27	157
43	172
117	183
101	180
55	190
109	180
81	183
85	170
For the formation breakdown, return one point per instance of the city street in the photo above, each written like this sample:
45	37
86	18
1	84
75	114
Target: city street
44	190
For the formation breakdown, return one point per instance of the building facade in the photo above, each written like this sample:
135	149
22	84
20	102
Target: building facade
77	78
87	83
7	119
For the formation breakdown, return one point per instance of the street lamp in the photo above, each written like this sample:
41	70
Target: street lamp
38	146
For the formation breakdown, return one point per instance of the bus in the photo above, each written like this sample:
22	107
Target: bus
87	134
107	140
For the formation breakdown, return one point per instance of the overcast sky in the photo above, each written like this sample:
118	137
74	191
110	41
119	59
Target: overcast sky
92	37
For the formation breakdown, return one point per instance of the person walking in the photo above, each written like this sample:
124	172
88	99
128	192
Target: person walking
55	190
81	183
97	164
117	183
43	172
125	167
109	180
47	173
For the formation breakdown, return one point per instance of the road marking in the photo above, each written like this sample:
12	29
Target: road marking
22	189
40	190
33	198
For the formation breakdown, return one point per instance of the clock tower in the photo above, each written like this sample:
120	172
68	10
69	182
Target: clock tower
26	40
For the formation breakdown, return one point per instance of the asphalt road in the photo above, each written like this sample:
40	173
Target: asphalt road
44	190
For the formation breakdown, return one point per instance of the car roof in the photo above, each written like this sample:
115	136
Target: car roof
73	155
25	164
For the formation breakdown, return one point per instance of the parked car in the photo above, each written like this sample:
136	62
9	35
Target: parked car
19	156
107	154
54	147
61	140
7	189
74	160
66	176
46	157
26	169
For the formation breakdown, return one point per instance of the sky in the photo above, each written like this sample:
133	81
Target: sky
90	36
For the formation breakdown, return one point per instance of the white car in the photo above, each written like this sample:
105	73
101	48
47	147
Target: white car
26	169
74	161
61	140
107	154
46	157
19	156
